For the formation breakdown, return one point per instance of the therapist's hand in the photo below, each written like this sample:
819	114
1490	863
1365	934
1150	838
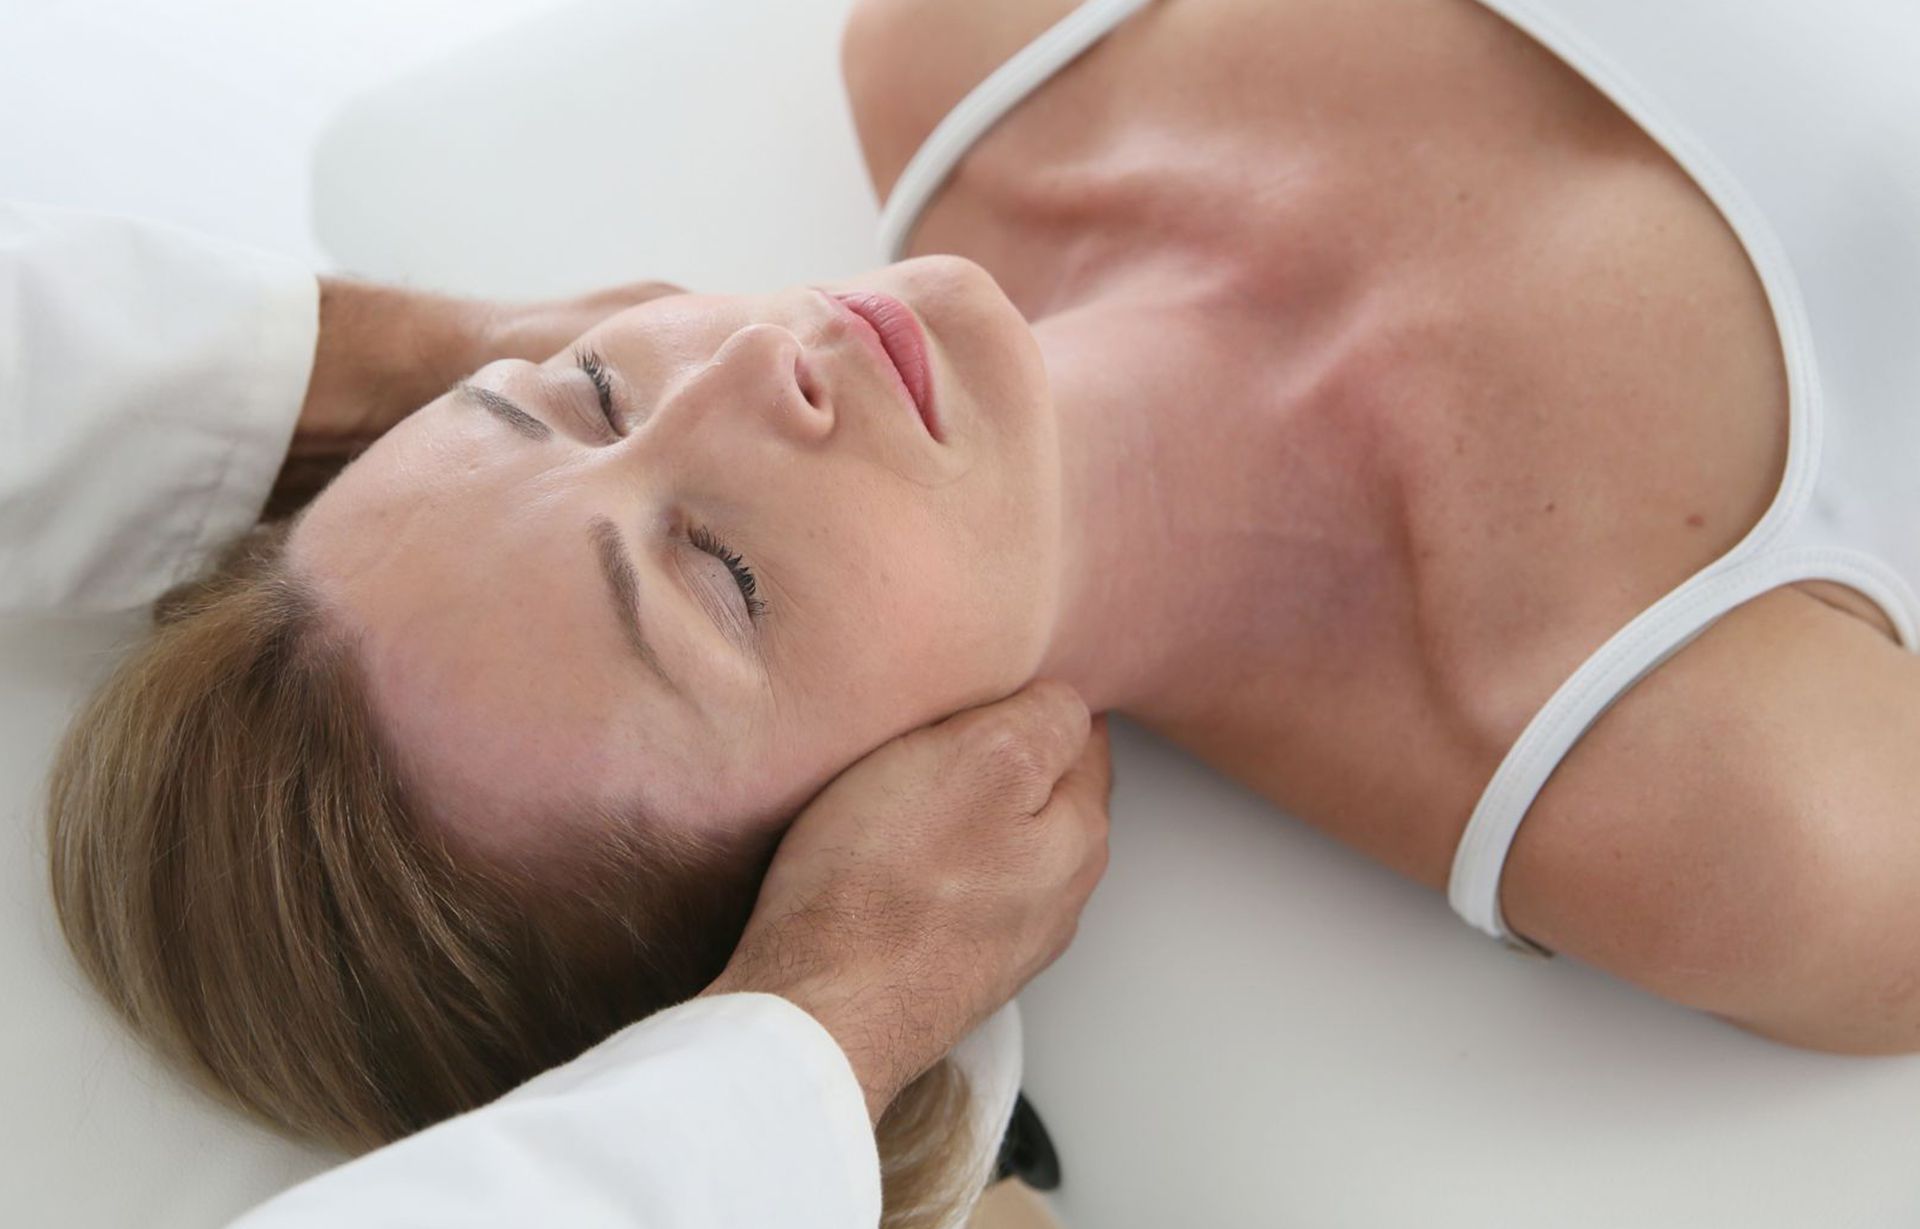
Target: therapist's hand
385	351
932	880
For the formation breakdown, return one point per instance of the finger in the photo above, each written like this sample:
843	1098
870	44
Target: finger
1029	739
1088	785
1077	816
614	298
647	292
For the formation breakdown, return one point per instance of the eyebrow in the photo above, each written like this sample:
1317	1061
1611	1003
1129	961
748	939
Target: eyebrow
623	589
506	409
623	586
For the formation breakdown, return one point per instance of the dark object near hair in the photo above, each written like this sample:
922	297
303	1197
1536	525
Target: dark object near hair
1026	1151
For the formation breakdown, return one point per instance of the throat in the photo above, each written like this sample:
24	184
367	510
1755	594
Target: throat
1196	477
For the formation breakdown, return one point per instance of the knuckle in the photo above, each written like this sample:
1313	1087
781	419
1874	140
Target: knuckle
1058	697
1084	822
1102	858
1063	714
1065	854
1021	761
1084	867
1005	753
1091	803
1068	934
1097	871
1101	836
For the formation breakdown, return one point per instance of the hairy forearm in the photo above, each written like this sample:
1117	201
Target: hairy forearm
382	353
385	351
836	1003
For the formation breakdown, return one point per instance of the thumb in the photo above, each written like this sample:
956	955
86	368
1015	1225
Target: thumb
1089	783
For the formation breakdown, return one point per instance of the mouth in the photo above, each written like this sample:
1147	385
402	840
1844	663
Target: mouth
895	331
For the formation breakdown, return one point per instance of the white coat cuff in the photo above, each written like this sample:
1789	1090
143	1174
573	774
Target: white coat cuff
811	1113
738	1111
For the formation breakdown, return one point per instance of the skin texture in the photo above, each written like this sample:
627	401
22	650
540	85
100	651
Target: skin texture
902	578
1375	371
1397	370
932	880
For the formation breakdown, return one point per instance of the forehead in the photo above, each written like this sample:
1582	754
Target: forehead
492	660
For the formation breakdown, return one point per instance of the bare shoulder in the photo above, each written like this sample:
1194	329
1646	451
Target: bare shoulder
1741	831
906	63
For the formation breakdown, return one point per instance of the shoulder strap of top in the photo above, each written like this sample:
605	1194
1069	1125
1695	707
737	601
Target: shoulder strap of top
986	105
1633	652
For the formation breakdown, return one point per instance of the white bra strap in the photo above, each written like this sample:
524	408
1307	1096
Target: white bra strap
1633	652
983	108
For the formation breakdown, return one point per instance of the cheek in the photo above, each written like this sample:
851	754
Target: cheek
1000	582
951	611
911	628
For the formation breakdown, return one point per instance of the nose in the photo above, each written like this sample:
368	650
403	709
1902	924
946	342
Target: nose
763	366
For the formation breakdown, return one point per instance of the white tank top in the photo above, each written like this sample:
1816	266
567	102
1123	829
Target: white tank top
1801	123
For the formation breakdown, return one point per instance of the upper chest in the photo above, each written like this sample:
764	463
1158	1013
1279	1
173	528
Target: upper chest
1214	119
1415	181
1527	321
1404	192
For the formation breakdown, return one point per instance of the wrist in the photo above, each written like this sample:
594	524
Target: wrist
834	1008
382	353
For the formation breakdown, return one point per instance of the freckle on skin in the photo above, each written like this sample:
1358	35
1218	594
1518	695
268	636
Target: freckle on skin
1697	521
1551	505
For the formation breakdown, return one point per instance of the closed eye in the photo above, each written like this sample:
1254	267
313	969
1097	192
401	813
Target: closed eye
595	367
703	539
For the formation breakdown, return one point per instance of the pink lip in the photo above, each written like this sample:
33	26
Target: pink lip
901	342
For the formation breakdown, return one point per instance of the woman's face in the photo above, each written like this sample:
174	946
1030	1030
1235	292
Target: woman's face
544	603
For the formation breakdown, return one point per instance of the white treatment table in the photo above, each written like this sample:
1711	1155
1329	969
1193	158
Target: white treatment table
1255	1026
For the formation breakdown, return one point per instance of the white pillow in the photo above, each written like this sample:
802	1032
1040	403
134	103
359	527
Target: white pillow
706	144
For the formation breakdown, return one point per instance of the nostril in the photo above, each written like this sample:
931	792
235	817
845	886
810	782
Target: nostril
804	378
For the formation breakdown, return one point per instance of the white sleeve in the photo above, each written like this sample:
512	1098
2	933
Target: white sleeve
150	380
737	1111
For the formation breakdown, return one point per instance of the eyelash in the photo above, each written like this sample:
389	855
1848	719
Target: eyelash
702	539
596	369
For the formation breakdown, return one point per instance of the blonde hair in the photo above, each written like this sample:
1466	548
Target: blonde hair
235	868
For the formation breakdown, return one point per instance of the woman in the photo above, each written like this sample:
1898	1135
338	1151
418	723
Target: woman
1326	386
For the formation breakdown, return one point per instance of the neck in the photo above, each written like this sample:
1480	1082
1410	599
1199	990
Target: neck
1160	546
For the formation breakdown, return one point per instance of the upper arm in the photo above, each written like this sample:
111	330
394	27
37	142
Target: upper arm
1741	831
906	63
863	73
